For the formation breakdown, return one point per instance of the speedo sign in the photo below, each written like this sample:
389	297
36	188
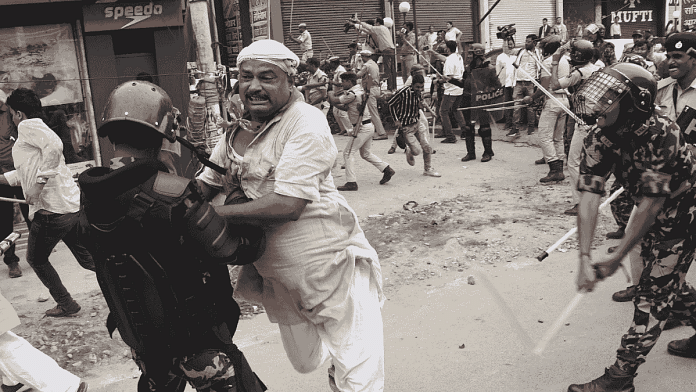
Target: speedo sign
126	15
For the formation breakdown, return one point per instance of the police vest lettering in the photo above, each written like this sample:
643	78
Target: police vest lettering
490	95
129	11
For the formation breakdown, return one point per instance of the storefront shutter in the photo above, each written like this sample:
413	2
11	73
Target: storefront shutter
325	19
525	14
437	13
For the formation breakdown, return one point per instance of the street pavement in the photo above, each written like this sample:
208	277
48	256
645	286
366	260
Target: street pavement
443	334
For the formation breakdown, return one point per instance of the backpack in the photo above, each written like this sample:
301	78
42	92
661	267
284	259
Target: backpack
164	289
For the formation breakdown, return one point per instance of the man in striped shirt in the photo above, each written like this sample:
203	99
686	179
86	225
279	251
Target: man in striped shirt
405	108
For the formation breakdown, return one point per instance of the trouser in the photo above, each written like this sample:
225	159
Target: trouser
361	143
622	206
574	158
509	114
209	370
46	230
355	343
551	127
568	134
417	141
307	54
389	62
343	120
523	89
661	291
450	104
374	111
7	218
20	362
407	61
422	127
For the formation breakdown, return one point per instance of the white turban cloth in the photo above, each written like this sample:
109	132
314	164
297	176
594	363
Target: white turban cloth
273	52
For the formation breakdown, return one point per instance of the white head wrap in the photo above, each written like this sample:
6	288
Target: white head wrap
273	52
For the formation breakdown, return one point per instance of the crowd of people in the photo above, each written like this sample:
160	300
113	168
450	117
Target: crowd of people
160	244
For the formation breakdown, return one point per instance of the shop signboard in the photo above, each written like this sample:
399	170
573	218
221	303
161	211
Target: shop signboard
132	15
688	14
259	19
233	29
634	14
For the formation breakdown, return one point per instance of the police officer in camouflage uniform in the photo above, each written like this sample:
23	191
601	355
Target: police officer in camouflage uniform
179	316
648	152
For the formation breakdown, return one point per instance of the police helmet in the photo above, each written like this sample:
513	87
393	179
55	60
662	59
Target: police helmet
477	49
581	52
140	102
628	83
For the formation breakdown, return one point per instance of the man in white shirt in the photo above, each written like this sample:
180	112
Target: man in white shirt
305	41
615	29
560	29
52	195
453	69
527	60
506	73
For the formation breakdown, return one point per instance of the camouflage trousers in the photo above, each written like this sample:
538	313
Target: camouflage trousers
622	206
662	290
209	370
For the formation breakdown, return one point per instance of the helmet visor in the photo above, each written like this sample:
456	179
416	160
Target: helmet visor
596	95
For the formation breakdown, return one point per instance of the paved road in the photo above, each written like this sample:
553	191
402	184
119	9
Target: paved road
495	322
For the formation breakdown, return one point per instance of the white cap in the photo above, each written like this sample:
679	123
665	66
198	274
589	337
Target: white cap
367	52
302	25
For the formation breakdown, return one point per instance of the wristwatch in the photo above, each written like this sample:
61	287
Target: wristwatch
41	180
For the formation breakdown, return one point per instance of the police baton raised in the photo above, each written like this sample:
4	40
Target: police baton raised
572	231
548	94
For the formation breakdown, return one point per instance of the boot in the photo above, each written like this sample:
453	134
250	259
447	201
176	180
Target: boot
672	322
684	348
348	186
15	271
64	310
572	211
625	295
555	172
613	380
487	148
470	147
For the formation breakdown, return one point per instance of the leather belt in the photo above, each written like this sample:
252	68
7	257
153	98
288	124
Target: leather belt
366	121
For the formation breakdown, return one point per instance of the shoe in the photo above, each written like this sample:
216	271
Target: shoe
513	132
432	173
613	380
14	388
572	211
616	235
625	295
683	348
555	172
611	249
380	137
440	136
530	130
449	141
64	310
409	157
391	150
469	157
541	161
348	186
83	387
15	271
486	157
487	148
388	174
672	322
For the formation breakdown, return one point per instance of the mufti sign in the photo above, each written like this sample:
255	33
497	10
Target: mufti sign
136	15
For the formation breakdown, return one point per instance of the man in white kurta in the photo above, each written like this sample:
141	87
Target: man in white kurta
318	278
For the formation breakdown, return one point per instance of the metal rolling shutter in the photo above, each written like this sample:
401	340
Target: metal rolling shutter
325	19
437	13
525	14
